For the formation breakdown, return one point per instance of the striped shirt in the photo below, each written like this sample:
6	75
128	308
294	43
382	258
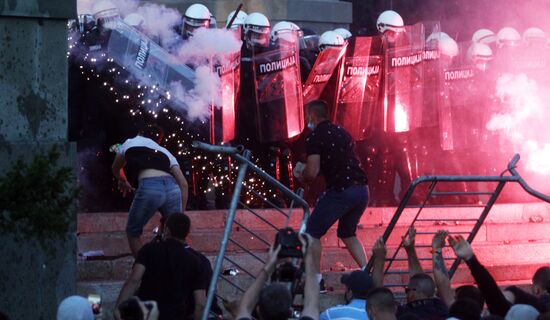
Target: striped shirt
355	310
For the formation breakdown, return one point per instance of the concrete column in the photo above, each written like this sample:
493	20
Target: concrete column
33	117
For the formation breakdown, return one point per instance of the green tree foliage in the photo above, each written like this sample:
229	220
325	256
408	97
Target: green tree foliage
37	199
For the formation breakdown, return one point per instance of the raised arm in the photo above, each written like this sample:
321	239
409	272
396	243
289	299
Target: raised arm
311	290
441	275
412	258
379	254
252	294
496	302
130	287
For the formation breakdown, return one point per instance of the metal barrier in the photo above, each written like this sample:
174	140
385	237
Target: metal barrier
432	182
243	157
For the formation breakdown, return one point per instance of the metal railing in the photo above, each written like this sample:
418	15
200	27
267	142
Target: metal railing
245	165
432	182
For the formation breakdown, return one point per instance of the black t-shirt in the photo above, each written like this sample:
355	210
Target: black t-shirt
171	275
339	163
143	153
427	309
204	279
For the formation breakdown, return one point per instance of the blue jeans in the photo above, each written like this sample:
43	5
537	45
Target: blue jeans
155	193
346	207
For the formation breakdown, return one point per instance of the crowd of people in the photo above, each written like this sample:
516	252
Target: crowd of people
170	280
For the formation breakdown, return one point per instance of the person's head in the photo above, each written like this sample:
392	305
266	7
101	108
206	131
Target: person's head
515	295
522	312
470	292
331	39
390	24
544	316
358	284
153	132
275	302
316	112
466	309
196	16
178	226
421	286
413	316
541	281
135	309
381	304
256	30
75	308
3	316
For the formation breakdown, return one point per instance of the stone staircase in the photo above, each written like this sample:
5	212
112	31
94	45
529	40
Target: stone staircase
513	243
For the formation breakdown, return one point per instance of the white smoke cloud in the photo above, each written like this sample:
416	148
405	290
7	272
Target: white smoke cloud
125	7
523	120
84	6
206	49
198	101
159	23
206	44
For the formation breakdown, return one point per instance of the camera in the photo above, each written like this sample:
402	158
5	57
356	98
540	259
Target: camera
291	247
287	272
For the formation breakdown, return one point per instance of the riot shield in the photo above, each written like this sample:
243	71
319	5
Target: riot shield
404	71
279	91
358	87
432	75
322	70
462	113
146	60
223	117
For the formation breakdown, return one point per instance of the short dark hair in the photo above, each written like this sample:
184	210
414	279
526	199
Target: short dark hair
542	278
423	284
382	299
319	108
466	309
152	131
130	309
178	224
470	292
275	302
544	316
493	317
522	297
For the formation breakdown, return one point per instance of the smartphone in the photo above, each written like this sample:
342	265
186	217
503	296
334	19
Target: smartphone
95	302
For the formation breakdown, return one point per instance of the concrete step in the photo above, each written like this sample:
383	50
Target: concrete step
215	219
512	243
208	240
102	231
338	259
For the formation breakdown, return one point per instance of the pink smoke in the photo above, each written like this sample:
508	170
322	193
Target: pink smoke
523	120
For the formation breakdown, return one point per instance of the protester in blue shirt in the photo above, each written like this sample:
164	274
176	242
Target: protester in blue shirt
358	284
